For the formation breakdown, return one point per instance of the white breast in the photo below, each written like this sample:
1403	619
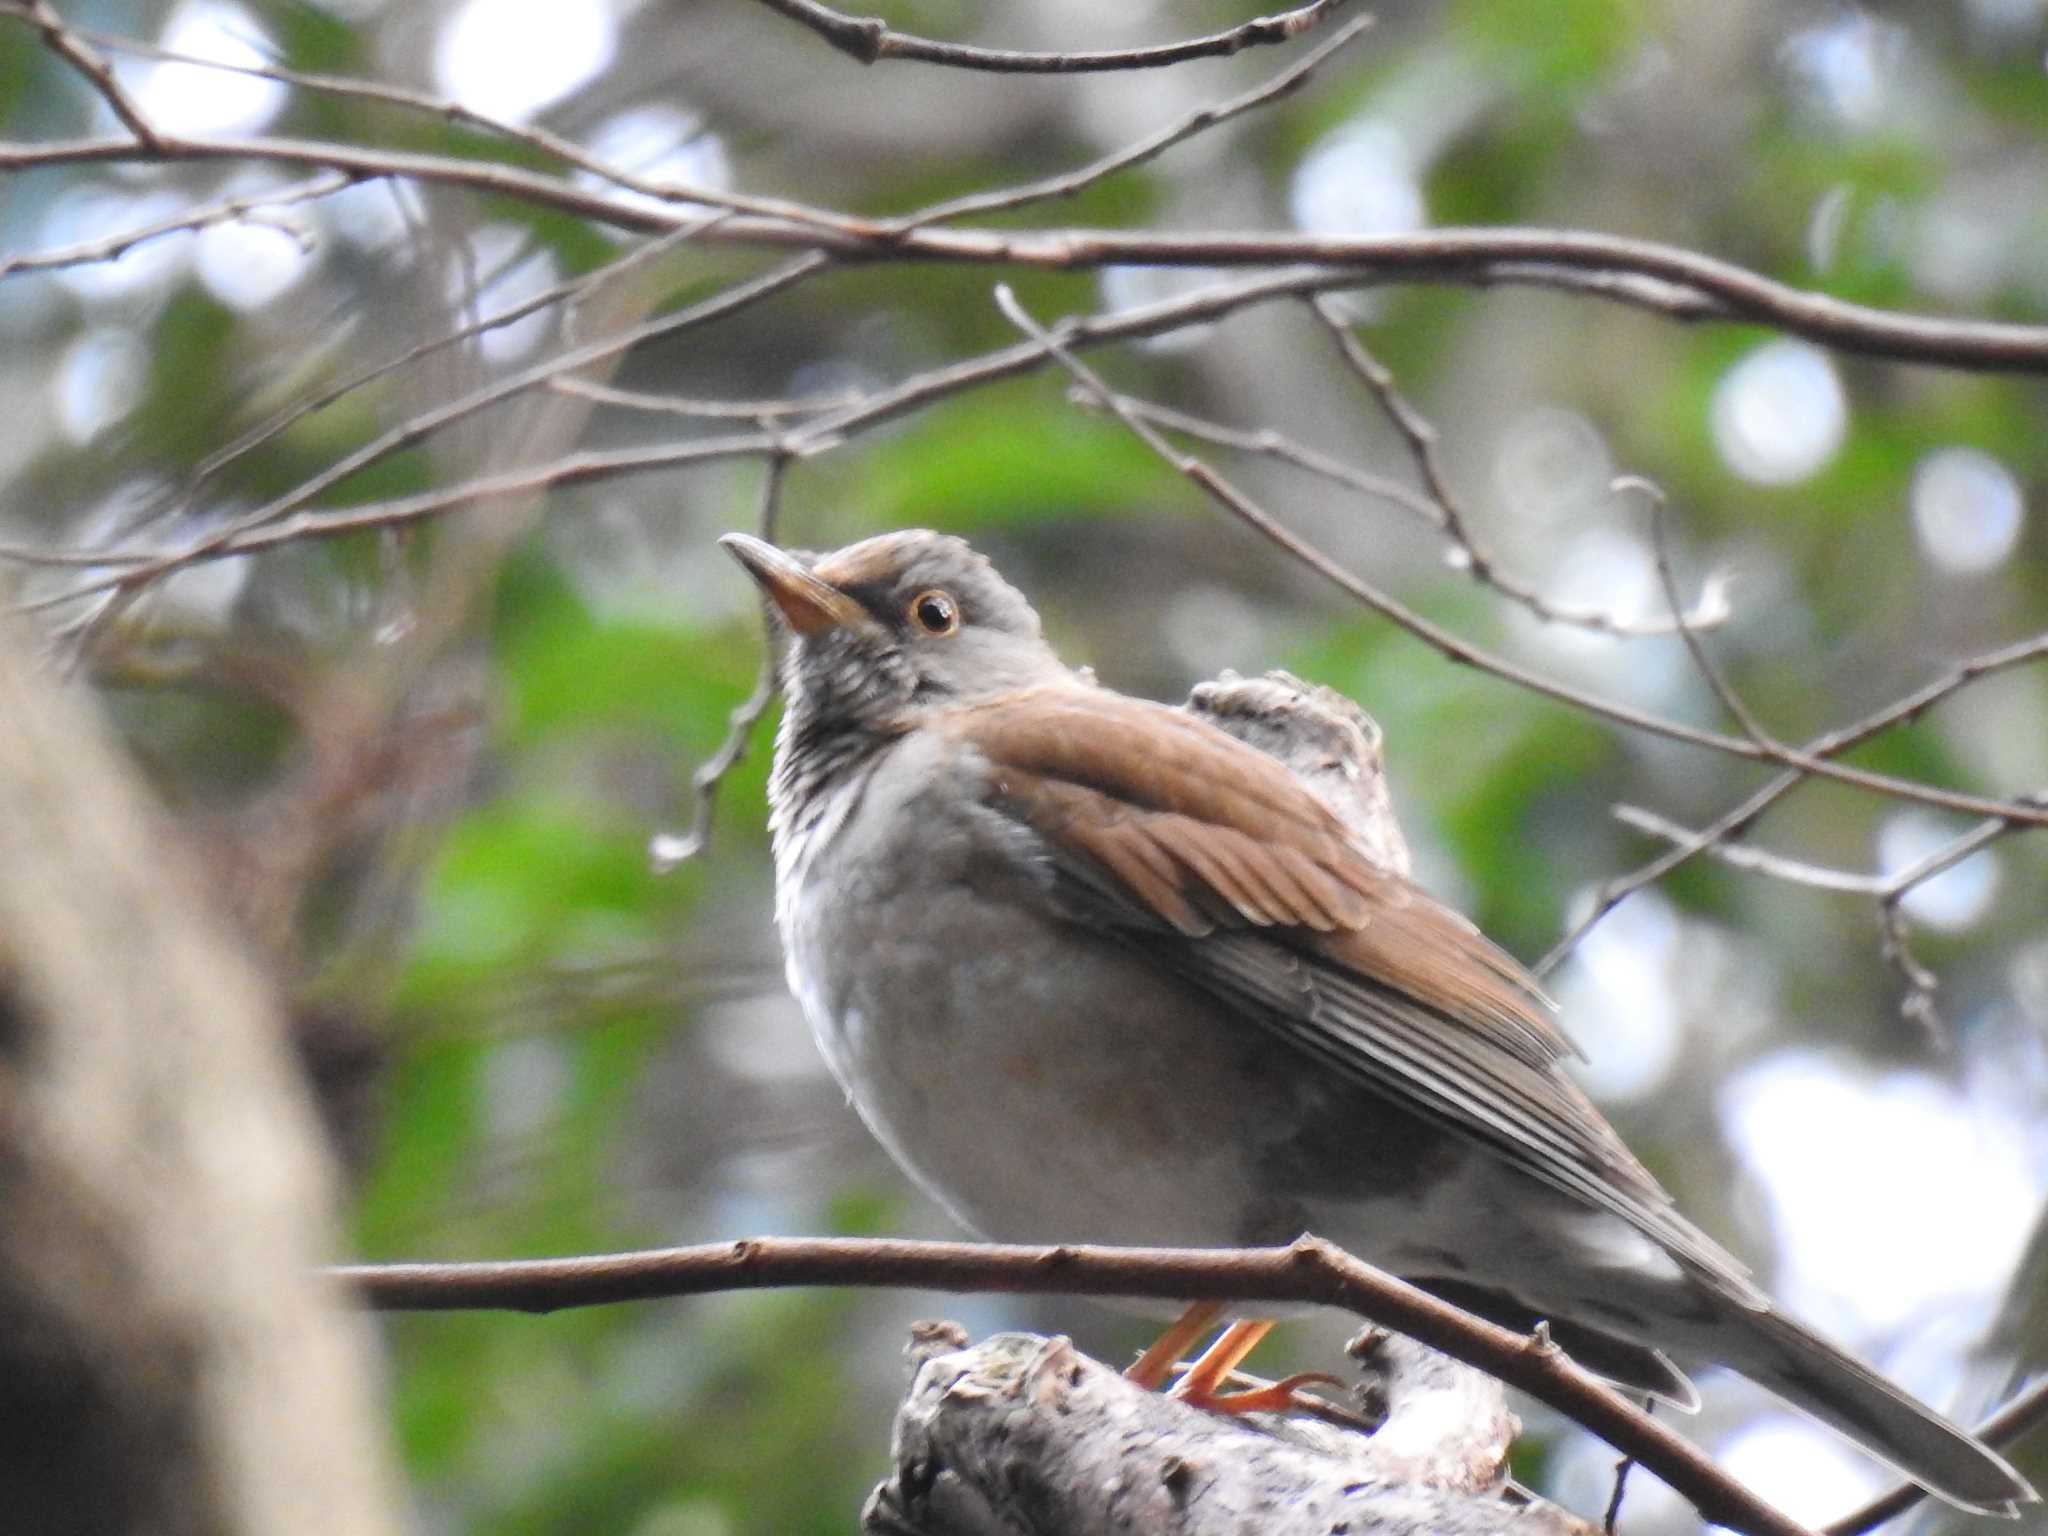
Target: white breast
1042	1084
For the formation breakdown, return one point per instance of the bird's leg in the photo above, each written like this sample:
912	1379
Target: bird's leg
1199	1385
1151	1369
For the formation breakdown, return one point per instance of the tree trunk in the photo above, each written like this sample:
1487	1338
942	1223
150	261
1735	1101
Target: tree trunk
169	1360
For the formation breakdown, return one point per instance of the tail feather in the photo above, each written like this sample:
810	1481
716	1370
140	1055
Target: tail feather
1845	1394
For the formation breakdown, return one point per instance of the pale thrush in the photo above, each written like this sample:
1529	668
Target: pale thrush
1096	971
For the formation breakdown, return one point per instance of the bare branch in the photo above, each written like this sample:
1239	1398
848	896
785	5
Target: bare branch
144	566
870	40
1895	945
1951	853
1667	578
1669	280
1197	122
444	108
1308	1270
1417	433
1777	866
1419	436
281	421
69	45
1895	933
778	222
1889	891
761	411
1268	443
1735	822
247	207
1622	1468
812	437
666	850
1456	648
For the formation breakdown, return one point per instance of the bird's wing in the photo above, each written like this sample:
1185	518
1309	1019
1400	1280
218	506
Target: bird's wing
1214	859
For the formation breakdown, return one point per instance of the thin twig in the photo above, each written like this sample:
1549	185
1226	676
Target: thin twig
560	293
1777	866
901	399
70	45
1056	342
778	223
1622	1468
447	109
1197	122
1888	891
1917	1003
1269	443
667	851
1308	1270
1920	983
144	566
870	40
1735	822
1702	658
1417	432
762	411
227	210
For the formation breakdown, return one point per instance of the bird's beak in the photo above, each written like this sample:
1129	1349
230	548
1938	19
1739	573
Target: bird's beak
807	604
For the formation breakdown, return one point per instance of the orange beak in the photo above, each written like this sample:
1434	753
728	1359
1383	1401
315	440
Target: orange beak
806	604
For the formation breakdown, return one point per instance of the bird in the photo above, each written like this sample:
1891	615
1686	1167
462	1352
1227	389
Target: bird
1094	969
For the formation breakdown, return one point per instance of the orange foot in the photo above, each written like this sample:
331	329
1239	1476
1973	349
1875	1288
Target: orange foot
1275	1398
1201	1383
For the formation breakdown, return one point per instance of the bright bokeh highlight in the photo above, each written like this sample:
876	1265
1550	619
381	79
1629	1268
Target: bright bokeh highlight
510	59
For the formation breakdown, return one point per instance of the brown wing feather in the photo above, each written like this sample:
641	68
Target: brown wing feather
1226	836
1256	891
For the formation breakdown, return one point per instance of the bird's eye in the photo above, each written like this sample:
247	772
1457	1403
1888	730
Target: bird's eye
935	612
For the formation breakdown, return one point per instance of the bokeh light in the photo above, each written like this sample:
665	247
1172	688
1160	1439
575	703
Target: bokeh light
246	264
658	142
1359	180
192	100
92	212
1953	899
510	59
1617	1001
1967	510
1799	1467
1779	414
1888	1191
99	381
1549	464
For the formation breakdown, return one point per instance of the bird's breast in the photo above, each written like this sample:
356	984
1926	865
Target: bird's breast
1044	1082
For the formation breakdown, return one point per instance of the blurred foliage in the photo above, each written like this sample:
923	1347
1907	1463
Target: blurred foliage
580	1054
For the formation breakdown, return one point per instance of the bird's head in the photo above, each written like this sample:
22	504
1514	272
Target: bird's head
896	626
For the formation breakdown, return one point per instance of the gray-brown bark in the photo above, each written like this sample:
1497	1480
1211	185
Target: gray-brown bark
169	1361
1022	1436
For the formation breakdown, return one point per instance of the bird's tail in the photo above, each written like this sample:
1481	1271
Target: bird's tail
1842	1392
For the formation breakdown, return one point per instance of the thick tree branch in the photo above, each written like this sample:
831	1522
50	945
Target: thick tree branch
1671	280
1309	1270
1025	1435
